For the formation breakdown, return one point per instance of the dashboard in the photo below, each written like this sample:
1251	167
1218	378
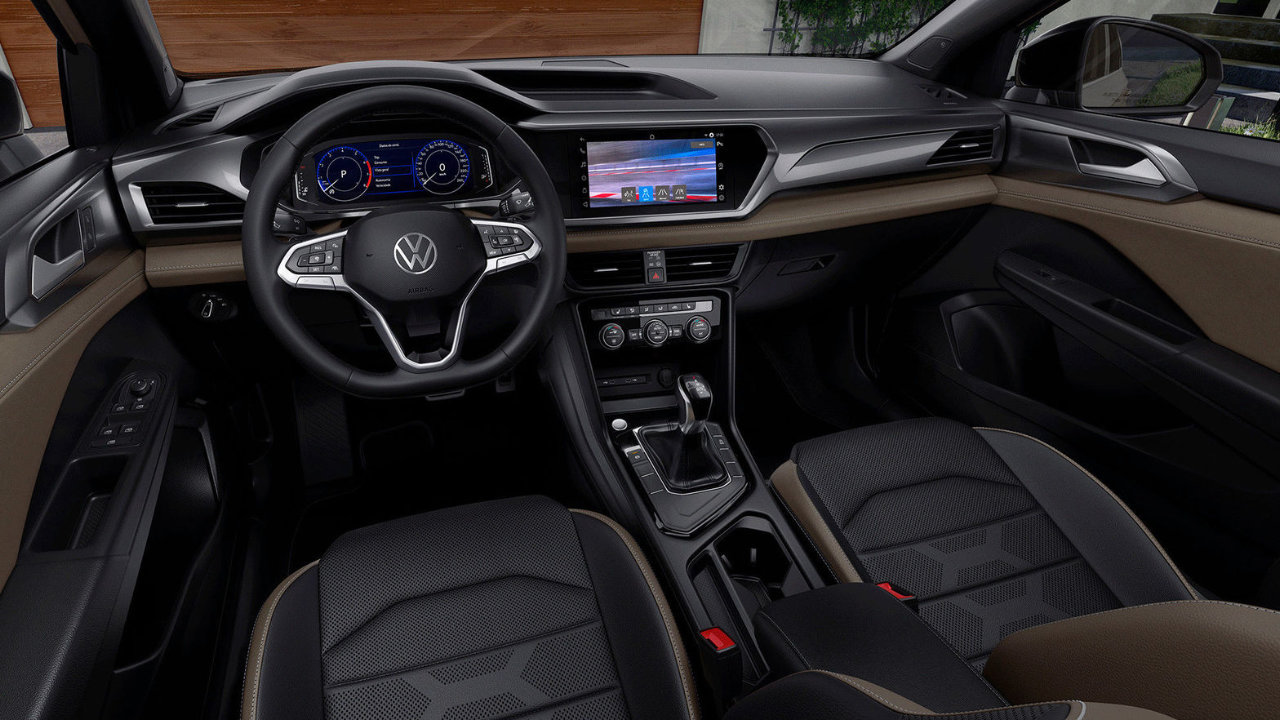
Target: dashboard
644	140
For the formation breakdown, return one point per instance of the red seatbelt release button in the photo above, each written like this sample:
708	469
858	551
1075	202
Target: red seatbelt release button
718	639
896	591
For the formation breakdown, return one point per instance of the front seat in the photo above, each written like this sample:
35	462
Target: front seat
513	608
992	531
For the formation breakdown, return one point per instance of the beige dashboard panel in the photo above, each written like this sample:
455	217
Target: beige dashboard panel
194	264
801	213
35	368
1219	262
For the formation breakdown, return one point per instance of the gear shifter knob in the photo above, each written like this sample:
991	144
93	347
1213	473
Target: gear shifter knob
694	396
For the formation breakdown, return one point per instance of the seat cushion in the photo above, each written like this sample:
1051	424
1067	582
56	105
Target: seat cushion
814	695
993	531
515	608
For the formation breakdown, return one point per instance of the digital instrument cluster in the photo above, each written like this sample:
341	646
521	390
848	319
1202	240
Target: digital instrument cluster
382	169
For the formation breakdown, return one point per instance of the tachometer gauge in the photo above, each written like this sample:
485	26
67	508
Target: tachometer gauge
343	173
443	167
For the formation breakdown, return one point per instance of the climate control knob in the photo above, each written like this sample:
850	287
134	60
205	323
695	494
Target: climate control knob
612	336
656	333
698	329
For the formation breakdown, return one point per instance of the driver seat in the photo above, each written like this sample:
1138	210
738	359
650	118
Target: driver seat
513	608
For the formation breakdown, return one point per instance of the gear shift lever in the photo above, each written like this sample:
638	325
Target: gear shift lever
694	398
683	451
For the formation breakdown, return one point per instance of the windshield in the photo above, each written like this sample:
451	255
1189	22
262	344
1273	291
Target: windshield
220	37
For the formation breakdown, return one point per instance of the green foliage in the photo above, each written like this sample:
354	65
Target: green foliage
850	28
1175	86
1269	130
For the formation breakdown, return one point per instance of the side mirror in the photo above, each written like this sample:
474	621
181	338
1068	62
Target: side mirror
1121	66
11	121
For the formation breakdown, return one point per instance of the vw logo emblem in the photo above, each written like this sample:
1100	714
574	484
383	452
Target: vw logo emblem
415	253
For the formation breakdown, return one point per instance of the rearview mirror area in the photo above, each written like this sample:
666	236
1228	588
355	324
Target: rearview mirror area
1121	66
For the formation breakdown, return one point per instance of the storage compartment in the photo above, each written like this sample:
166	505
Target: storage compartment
72	518
744	569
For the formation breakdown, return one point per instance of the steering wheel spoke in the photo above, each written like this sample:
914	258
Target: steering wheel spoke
315	263
506	244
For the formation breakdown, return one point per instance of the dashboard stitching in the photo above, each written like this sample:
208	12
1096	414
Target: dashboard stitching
1135	216
71	328
166	268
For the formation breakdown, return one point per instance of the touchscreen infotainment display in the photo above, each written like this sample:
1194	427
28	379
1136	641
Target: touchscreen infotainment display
624	173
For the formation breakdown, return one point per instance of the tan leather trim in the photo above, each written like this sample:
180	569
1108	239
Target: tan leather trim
884	696
1137	521
786	482
195	264
258	645
1191	659
801	213
664	609
1218	262
35	367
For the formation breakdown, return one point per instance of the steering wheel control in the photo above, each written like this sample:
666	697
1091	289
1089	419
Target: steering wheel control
657	323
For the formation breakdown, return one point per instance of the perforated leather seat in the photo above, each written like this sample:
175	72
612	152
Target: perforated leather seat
993	531
515	608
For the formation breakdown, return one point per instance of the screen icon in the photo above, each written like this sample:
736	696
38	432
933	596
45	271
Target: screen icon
628	194
662	193
679	192
646	193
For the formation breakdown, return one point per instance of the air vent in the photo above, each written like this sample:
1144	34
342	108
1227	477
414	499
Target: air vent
945	94
173	203
199	117
966	146
606	269
714	262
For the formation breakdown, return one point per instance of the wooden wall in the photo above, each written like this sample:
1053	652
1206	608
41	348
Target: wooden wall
214	37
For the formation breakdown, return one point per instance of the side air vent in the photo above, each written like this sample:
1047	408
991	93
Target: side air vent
945	94
966	146
713	262
199	117
607	269
174	203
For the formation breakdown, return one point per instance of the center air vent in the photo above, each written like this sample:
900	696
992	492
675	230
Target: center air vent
966	146
713	262
180	203
607	269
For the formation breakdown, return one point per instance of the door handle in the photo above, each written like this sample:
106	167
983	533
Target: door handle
1144	171
45	275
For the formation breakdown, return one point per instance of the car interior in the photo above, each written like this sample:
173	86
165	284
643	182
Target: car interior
939	380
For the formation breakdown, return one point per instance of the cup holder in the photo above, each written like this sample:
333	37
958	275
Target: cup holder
756	564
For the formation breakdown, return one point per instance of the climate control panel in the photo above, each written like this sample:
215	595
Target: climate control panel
656	323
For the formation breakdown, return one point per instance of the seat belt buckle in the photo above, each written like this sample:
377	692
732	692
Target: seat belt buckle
721	660
907	597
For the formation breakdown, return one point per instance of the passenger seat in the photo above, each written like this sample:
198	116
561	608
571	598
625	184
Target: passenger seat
1035	573
992	531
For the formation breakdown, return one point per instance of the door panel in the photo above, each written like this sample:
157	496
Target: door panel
59	211
1132	333
1218	262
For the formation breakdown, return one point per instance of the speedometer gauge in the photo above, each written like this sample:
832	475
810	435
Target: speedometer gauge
443	167
343	173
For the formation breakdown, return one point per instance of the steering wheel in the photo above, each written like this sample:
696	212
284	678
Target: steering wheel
407	262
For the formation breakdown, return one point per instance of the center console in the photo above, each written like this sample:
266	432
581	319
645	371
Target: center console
659	368
648	385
